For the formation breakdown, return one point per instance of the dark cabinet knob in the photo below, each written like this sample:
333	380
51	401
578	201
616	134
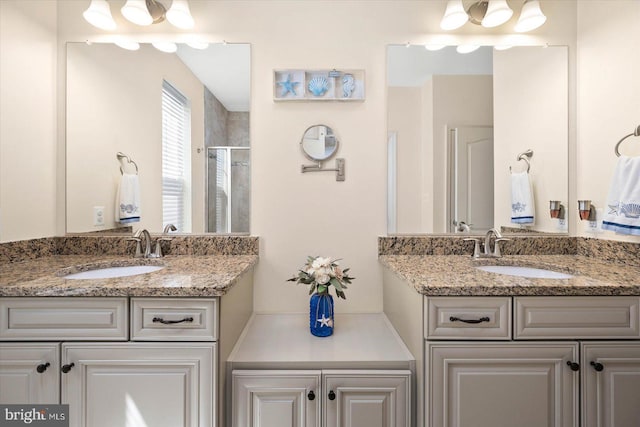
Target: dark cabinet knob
42	367
311	395
332	395
573	365
67	368
597	366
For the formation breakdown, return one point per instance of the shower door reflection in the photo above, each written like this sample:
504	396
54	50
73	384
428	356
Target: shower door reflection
228	194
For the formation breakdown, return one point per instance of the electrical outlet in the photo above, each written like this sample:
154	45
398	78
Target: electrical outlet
98	215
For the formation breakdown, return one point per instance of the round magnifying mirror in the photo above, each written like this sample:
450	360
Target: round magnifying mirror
319	143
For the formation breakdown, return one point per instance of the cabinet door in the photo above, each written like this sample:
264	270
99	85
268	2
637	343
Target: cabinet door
611	386
273	398
501	385
29	373
367	398
140	384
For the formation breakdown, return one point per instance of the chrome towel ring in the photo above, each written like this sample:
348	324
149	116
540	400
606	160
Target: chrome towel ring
120	155
636	132
525	155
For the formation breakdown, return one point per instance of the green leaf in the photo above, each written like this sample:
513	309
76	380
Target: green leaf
322	289
336	283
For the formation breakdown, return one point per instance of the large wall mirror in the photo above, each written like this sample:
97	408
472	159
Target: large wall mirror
182	117
457	124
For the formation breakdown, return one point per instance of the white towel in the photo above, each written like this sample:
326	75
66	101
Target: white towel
128	199
522	204
623	202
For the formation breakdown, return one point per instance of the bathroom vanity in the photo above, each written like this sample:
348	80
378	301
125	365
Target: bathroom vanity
145	349
494	348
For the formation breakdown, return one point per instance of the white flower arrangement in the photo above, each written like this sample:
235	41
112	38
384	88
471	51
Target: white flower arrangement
321	273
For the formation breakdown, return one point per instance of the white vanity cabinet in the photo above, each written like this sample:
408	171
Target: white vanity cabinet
166	379
362	375
536	373
328	398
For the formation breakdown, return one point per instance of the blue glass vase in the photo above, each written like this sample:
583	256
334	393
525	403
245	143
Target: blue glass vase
321	315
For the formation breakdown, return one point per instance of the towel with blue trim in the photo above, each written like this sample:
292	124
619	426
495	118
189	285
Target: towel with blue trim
128	199
522	203
623	203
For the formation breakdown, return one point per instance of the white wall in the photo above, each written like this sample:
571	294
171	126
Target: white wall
28	119
294	214
114	104
608	106
531	110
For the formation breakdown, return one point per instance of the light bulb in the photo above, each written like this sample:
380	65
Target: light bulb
98	14
434	47
454	16
179	14
136	11
197	44
467	48
127	44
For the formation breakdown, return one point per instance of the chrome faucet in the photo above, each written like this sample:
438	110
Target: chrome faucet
141	235
167	229
487	252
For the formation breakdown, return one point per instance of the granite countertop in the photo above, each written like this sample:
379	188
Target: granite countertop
183	276
455	275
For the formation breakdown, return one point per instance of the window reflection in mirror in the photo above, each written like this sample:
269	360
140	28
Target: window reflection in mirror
457	122
114	103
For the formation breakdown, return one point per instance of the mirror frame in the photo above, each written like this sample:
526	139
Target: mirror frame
330	132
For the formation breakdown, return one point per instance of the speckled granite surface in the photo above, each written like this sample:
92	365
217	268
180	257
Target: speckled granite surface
184	276
456	245
455	275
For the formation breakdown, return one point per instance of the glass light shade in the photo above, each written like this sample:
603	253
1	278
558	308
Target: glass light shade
98	14
167	47
467	48
197	44
136	11
454	16
498	12
434	47
531	17
502	46
179	14
127	44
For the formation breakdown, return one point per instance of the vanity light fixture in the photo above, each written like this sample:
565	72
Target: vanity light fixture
179	14
167	47
127	44
140	12
98	14
492	13
467	48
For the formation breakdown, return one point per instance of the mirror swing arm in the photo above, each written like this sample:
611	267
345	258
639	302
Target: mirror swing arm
339	169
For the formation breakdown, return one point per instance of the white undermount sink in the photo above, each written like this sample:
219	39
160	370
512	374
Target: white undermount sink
536	273
111	272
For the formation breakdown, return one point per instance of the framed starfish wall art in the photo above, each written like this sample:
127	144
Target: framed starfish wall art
318	85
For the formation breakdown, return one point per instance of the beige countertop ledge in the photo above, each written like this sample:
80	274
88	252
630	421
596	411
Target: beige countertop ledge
455	275
183	276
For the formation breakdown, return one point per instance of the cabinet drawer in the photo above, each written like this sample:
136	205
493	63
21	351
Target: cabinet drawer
174	319
577	317
467	318
58	319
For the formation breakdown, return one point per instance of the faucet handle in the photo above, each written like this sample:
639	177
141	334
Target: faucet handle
476	248
138	241
158	253
496	247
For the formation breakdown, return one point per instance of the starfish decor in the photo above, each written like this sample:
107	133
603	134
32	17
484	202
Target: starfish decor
324	321
288	86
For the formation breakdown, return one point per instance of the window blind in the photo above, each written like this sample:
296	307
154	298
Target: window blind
176	140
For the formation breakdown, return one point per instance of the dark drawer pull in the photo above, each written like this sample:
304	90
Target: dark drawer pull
573	365
67	368
171	322
332	395
597	366
42	367
311	395
472	321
